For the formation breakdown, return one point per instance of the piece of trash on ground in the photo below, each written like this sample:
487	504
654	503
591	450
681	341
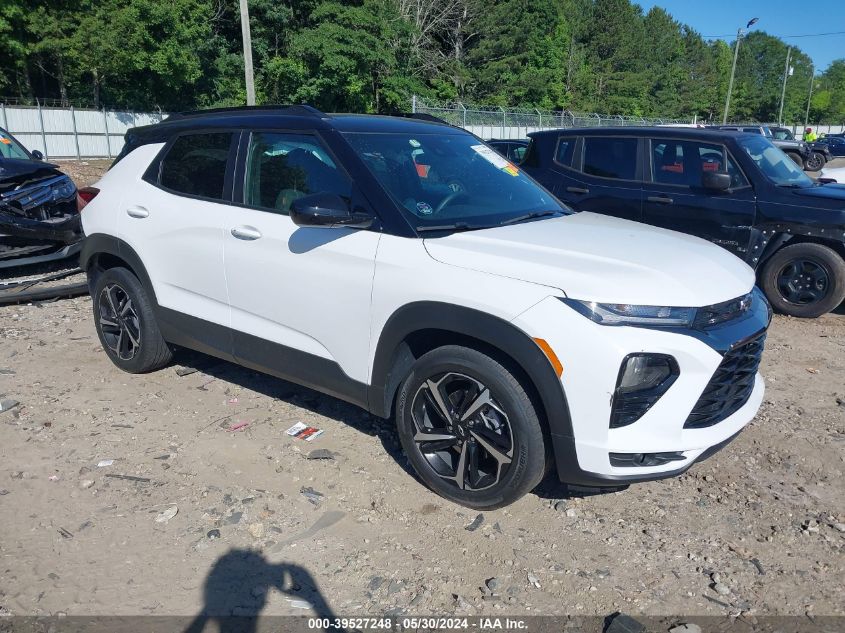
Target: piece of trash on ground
105	462
237	427
233	401
129	477
186	371
164	517
312	495
64	533
299	604
472	527
304	432
53	477
7	404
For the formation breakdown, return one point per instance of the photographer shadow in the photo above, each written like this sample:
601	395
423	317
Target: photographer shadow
237	588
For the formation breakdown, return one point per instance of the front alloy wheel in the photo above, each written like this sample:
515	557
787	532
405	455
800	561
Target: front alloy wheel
461	431
469	428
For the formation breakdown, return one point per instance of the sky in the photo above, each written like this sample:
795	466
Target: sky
777	17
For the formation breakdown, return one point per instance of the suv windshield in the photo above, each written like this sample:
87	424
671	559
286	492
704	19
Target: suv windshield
775	165
452	181
10	148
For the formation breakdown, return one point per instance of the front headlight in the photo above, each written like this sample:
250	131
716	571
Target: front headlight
627	314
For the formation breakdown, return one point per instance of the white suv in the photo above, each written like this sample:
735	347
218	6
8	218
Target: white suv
404	266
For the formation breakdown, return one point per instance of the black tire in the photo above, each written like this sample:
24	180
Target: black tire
503	434
796	158
815	162
804	280
132	341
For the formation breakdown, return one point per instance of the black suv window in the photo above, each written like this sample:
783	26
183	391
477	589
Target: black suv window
196	165
610	157
283	167
675	162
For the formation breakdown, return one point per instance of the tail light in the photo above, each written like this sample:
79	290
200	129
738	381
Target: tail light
84	196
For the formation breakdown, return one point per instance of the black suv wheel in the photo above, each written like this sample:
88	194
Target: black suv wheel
815	162
469	428
125	322
804	280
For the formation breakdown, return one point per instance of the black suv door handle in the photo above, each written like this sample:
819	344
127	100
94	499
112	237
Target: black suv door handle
660	199
577	190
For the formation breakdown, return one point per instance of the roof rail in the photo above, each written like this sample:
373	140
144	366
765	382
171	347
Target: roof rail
296	110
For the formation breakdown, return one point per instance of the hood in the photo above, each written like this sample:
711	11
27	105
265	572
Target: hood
832	192
20	169
600	258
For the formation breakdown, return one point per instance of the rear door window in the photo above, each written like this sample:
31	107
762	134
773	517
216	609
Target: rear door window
609	157
196	165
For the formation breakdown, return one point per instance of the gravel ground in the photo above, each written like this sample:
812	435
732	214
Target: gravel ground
758	528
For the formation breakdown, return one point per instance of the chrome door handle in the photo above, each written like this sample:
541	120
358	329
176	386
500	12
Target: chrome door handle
660	199
577	190
137	212
248	233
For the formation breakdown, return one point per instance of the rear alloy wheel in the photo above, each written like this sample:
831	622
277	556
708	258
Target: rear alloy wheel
804	280
815	162
125	322
469	428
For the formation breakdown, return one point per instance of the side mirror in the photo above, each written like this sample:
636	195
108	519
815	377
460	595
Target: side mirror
37	155
716	181
327	210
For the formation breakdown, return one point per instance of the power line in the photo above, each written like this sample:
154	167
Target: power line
780	36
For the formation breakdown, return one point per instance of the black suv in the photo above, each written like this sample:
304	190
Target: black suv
735	189
820	153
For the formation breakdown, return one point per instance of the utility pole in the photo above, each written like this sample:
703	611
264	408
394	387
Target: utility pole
247	40
739	34
783	89
810	97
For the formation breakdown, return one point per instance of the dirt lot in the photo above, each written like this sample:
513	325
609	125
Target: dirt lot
759	528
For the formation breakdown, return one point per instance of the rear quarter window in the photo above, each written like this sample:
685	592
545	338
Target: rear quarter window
195	165
565	150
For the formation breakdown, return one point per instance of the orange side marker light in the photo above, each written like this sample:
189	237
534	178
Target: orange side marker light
550	354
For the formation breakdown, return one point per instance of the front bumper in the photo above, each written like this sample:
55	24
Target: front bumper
591	355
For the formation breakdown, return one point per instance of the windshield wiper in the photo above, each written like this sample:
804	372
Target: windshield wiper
457	226
528	216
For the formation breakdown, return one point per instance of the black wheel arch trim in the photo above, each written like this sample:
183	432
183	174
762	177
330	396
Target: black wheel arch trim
392	358
770	238
98	244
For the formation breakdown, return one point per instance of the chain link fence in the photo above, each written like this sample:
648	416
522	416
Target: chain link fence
514	123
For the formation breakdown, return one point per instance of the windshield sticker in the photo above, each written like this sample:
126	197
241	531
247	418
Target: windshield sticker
424	208
5	141
494	158
414	142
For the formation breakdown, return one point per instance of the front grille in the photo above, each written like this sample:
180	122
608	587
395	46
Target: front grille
730	387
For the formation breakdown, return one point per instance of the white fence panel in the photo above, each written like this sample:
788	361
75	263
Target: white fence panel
70	132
